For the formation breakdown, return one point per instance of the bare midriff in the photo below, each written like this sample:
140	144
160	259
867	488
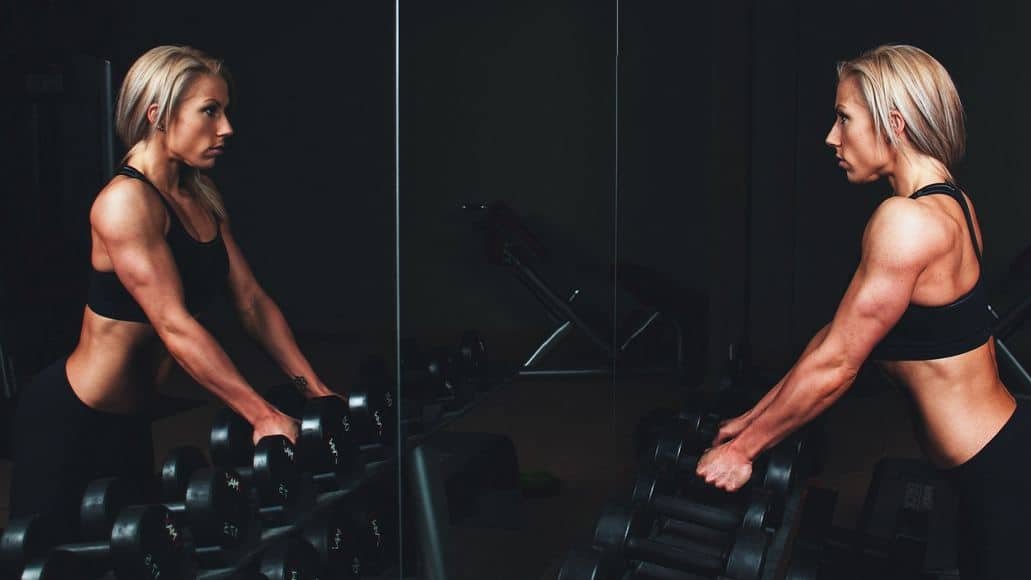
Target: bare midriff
116	364
960	400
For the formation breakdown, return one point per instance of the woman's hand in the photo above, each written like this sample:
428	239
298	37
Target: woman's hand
725	467
731	428
277	423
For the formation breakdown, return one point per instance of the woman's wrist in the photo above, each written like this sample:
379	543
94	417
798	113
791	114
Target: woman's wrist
310	388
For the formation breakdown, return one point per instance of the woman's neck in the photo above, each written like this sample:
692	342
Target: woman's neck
912	171
159	168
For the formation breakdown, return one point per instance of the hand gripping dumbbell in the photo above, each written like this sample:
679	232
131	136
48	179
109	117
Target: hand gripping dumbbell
269	466
214	509
327	447
703	520
591	564
145	542
775	470
625	533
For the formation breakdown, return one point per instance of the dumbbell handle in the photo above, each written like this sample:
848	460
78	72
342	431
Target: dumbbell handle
683	557
725	519
694	531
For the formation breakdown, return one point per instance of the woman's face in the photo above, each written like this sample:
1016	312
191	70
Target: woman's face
198	133
861	152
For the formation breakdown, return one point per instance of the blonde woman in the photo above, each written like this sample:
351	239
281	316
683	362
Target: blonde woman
916	304
162	249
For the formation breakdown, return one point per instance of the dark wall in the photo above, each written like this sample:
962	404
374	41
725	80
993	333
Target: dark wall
503	101
308	178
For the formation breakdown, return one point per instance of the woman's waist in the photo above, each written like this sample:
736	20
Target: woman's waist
116	378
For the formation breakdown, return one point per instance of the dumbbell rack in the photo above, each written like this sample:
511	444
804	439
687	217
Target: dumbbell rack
375	472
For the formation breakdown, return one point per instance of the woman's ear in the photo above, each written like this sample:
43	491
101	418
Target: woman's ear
152	116
898	124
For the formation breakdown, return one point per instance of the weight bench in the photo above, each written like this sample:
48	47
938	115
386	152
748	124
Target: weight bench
509	243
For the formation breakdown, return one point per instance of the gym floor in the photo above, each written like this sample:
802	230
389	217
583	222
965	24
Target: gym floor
580	430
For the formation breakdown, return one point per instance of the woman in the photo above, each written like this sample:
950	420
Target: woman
916	304
161	251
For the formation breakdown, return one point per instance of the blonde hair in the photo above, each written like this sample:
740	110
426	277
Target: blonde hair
161	76
906	79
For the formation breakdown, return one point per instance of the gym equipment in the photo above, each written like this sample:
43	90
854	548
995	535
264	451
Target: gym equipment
625	532
509	242
326	446
774	470
913	508
697	429
292	558
434	376
270	466
758	512
144	542
215	510
374	411
591	564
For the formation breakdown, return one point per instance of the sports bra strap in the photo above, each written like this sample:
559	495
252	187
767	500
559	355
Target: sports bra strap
954	193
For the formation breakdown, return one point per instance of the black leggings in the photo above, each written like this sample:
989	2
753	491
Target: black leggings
60	445
995	504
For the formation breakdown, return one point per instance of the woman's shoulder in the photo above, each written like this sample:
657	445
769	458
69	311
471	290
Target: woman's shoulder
126	203
907	227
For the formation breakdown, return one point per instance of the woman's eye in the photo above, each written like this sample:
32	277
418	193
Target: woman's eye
209	111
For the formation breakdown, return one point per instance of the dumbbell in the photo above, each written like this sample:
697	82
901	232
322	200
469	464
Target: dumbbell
759	511
434	376
268	466
696	428
625	532
145	542
591	564
774	470
327	446
290	558
214	508
374	407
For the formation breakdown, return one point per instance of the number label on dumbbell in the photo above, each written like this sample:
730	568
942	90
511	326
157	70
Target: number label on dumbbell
283	490
150	563
232	482
333	450
379	423
346	422
376	532
289	451
173	532
230	530
356	566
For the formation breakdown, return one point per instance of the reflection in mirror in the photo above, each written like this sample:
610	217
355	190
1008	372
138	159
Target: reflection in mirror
183	313
507	182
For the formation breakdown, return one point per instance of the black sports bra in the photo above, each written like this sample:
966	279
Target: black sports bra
930	332
203	269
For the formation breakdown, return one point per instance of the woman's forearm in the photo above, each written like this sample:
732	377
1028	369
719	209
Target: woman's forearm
200	355
265	322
